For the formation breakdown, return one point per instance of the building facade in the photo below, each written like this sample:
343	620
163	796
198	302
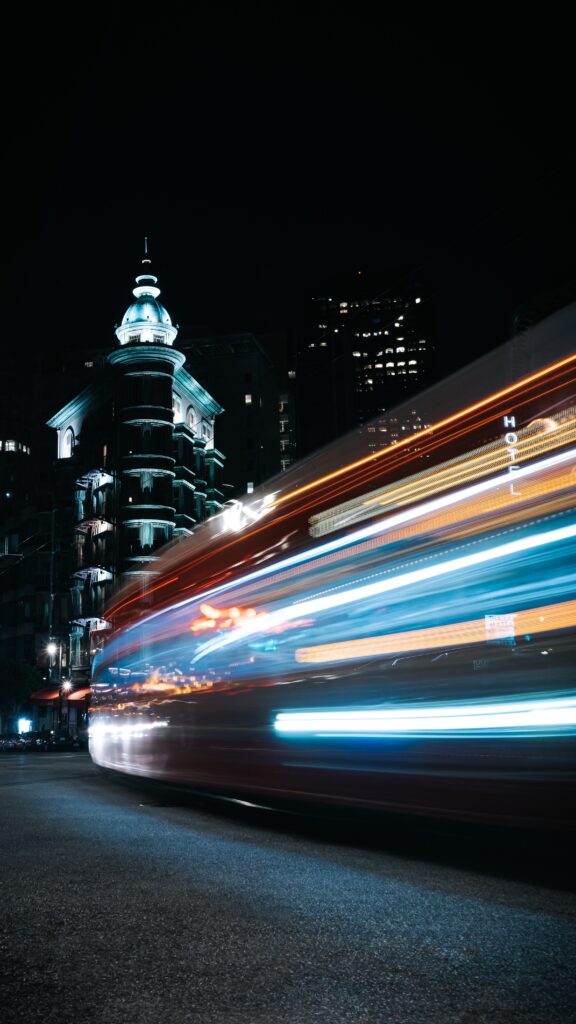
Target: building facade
137	461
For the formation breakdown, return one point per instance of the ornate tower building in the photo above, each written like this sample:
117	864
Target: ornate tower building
137	457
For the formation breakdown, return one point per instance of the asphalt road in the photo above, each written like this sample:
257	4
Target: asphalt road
120	906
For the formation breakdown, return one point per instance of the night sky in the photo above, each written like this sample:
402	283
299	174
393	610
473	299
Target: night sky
262	152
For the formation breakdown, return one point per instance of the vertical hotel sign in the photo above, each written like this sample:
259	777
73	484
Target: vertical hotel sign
511	440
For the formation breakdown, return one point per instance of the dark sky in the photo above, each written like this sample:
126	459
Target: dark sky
262	151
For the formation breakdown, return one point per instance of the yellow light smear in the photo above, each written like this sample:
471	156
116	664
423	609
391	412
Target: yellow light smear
514	506
478	464
474	631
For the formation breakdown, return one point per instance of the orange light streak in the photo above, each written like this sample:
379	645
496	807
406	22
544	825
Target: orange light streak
474	631
138	597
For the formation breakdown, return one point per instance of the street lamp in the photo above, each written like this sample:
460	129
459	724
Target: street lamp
64	688
52	649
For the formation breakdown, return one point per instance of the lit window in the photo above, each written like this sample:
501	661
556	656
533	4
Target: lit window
401	363
250	487
399	339
89	365
67	444
357	354
412	362
158	339
10	446
291	374
248	399
323	344
417	301
401	349
389	364
378	366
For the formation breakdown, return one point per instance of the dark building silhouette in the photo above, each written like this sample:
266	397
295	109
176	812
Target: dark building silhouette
238	369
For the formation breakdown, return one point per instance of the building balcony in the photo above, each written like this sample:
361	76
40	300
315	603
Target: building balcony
185	522
141	460
185	473
185	430
140	512
136	414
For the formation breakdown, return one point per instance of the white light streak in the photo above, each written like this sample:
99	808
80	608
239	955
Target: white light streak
511	716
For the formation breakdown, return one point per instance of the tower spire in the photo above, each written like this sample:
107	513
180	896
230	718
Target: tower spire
146	257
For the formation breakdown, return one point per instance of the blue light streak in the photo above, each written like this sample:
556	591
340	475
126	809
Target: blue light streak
302	609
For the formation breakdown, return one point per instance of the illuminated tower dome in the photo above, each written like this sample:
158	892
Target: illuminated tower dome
146	321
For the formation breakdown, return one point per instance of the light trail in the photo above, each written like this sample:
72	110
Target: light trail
375	529
524	386
304	609
454	473
414	438
508	717
474	631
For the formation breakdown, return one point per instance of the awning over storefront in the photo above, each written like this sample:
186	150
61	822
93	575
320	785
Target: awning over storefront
43	696
50	696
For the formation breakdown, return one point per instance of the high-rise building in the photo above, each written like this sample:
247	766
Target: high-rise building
358	356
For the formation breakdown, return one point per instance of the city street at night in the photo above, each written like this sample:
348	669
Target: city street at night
287	520
125	905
